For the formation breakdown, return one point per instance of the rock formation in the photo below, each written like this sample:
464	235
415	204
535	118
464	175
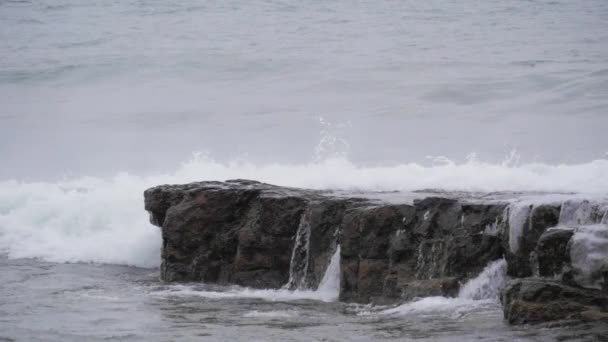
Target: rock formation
264	236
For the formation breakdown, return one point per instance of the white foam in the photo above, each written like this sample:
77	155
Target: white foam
238	292
279	295
103	220
327	291
433	306
473	175
87	220
271	314
488	284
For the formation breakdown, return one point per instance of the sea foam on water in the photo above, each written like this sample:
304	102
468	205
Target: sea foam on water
103	220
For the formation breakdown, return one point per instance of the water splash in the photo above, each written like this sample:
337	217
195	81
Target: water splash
329	287
328	290
480	293
488	284
332	143
79	220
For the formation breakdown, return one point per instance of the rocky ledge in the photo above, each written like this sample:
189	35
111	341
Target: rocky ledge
392	248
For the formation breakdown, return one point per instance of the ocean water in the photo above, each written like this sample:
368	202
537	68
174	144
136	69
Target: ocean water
101	99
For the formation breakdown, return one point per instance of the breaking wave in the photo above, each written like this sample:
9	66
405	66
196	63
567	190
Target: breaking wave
103	220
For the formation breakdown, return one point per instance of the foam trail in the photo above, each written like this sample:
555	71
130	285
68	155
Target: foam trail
102	220
271	314
239	292
328	290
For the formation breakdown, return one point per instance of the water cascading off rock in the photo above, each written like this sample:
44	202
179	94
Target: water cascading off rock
264	236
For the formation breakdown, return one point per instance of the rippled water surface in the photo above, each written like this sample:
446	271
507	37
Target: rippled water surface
82	302
101	99
96	87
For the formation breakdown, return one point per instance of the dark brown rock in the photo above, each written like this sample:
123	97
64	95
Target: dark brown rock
552	252
532	301
265	236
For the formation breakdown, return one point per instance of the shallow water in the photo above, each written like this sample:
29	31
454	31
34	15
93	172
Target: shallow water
84	302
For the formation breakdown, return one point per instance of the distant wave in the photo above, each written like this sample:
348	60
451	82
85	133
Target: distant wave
103	220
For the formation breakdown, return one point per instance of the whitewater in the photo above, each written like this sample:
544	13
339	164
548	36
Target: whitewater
78	220
102	100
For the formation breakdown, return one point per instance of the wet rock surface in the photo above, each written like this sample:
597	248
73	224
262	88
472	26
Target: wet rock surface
533	300
407	251
264	236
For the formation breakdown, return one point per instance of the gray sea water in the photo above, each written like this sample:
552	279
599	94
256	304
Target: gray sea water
102	99
93	87
83	302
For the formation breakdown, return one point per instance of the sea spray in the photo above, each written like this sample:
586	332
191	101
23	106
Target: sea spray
87	220
102	220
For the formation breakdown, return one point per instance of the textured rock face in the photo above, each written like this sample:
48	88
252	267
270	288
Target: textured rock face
241	232
402	251
522	259
536	300
264	236
552	252
253	234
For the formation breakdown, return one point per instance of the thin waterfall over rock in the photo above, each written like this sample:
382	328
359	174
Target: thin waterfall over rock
518	216
575	213
488	284
299	257
588	246
329	287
